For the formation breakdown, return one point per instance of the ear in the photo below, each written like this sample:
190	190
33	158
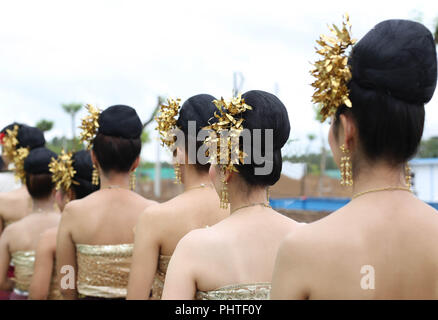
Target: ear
180	156
94	159
54	191
71	194
135	164
348	131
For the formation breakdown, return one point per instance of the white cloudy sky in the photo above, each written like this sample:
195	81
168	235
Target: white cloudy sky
128	52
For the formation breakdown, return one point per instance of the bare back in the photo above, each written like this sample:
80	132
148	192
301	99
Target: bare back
240	249
14	205
106	217
25	234
370	249
191	210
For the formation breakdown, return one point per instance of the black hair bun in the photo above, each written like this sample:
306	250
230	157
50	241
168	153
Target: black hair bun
10	127
37	162
120	121
268	112
397	57
199	108
84	168
83	165
30	137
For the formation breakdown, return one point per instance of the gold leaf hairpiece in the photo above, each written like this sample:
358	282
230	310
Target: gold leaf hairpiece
16	155
63	171
332	71
229	122
90	125
19	156
10	142
166	121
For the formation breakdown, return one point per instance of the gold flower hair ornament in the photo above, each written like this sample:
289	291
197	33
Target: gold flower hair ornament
10	142
63	171
228	121
90	125
19	156
166	121
332	72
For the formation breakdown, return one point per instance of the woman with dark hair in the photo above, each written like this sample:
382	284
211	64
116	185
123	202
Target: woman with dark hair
234	258
7	179
16	141
160	227
18	242
95	236
71	174
381	245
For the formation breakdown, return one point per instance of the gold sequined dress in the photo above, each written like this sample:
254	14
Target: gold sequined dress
160	276
252	291
103	270
24	265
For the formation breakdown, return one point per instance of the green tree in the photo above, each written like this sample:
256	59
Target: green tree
72	109
59	143
44	125
160	101
429	148
145	138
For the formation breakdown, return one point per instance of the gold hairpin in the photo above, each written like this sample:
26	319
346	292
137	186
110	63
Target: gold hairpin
90	125
166	121
227	116
332	71
63	171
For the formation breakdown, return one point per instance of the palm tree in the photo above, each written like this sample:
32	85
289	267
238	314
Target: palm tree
44	125
72	109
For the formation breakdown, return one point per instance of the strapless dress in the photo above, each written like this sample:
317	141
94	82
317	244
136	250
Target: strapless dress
251	291
103	270
160	276
23	262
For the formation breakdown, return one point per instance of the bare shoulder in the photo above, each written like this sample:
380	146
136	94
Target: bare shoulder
80	206
313	237
142	201
199	243
285	220
159	214
74	210
16	230
47	241
152	215
8	199
432	211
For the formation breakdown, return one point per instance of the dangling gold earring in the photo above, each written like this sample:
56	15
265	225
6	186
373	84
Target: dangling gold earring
408	176
132	180
346	168
95	176
224	194
177	173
